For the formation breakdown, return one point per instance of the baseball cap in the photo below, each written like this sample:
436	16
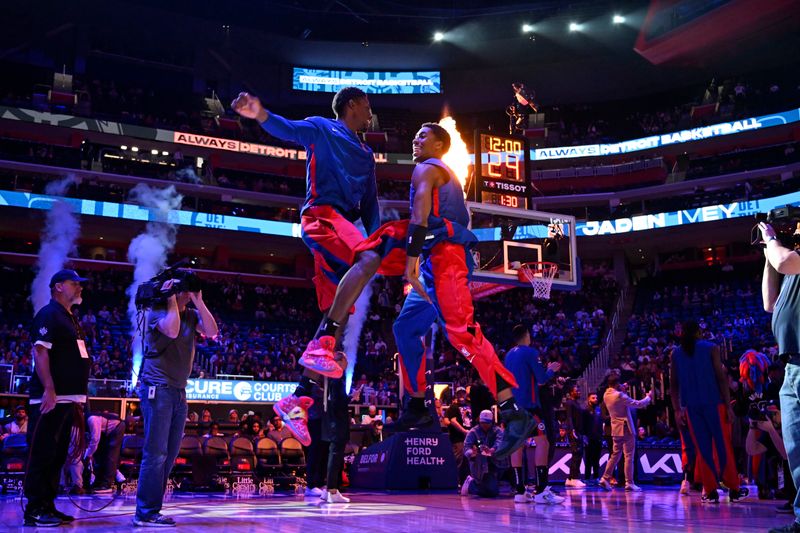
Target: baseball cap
461	389
65	275
486	416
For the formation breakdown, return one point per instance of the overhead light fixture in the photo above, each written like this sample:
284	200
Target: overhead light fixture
527	28
165	153
134	149
154	151
123	147
618	19
574	26
438	36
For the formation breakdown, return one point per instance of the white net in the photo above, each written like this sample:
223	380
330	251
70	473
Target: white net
540	276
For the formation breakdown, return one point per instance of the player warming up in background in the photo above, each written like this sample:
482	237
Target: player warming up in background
525	363
438	247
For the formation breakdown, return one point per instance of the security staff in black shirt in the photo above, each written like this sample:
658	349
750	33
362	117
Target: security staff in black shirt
58	391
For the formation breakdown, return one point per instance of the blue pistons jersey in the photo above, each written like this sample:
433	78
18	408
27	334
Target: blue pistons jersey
449	218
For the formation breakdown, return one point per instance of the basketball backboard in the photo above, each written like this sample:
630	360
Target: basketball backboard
508	238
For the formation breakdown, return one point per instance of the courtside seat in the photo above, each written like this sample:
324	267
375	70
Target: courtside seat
243	456
268	458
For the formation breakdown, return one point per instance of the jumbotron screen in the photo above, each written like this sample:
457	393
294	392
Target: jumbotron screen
387	82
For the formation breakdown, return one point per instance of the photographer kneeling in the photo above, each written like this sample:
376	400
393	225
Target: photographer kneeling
168	358
480	445
782	299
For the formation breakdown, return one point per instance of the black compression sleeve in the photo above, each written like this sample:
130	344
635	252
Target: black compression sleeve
416	239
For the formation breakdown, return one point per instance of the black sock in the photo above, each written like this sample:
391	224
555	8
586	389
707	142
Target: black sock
508	404
328	327
541	479
519	481
304	387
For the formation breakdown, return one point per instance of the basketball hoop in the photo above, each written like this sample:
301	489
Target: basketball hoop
540	275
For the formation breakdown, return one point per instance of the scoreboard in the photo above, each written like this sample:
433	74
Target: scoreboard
501	169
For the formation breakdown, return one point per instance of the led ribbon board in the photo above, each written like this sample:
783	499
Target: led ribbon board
330	81
666	139
588	228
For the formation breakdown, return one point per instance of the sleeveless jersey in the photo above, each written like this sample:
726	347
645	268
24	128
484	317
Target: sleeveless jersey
449	218
696	377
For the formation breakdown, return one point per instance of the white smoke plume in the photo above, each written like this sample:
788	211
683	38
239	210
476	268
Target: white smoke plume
148	252
61	229
352	332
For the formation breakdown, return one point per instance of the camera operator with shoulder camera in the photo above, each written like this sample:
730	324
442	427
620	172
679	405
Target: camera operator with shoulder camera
782	299
169	335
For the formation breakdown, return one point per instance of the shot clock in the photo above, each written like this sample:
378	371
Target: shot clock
501	169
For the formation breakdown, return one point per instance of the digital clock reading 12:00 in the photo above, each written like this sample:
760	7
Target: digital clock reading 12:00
502	157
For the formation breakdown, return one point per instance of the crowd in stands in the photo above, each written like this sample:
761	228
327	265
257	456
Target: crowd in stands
731	98
264	329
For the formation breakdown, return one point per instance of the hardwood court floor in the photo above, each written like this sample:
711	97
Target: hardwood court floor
587	511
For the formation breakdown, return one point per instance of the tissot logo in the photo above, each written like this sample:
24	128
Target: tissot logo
503	186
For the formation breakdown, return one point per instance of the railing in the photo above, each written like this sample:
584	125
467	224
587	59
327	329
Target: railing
596	370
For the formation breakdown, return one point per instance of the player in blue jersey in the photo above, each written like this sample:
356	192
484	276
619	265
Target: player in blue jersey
340	189
525	363
438	247
701	399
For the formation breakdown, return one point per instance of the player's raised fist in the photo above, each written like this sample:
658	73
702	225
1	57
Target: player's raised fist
249	106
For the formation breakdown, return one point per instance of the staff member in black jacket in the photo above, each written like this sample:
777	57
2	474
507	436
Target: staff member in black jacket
58	391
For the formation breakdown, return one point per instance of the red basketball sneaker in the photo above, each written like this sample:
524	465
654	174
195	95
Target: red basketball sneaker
319	357
294	412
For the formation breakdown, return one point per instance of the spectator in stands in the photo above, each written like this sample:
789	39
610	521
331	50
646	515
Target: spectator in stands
279	430
213	431
170	347
19	424
371	416
256	431
480	444
206	417
233	416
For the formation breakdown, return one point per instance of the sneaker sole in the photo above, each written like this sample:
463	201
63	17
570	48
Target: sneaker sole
142	523
305	440
34	523
334	372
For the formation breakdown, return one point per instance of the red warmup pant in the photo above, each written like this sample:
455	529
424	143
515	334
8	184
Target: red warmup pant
335	243
711	435
445	277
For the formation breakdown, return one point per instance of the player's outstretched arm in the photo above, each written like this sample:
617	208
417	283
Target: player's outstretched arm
303	132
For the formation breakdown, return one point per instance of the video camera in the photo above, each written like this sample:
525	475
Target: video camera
760	411
170	281
785	221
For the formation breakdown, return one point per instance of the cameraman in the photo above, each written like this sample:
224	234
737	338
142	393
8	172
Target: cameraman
782	299
169	355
